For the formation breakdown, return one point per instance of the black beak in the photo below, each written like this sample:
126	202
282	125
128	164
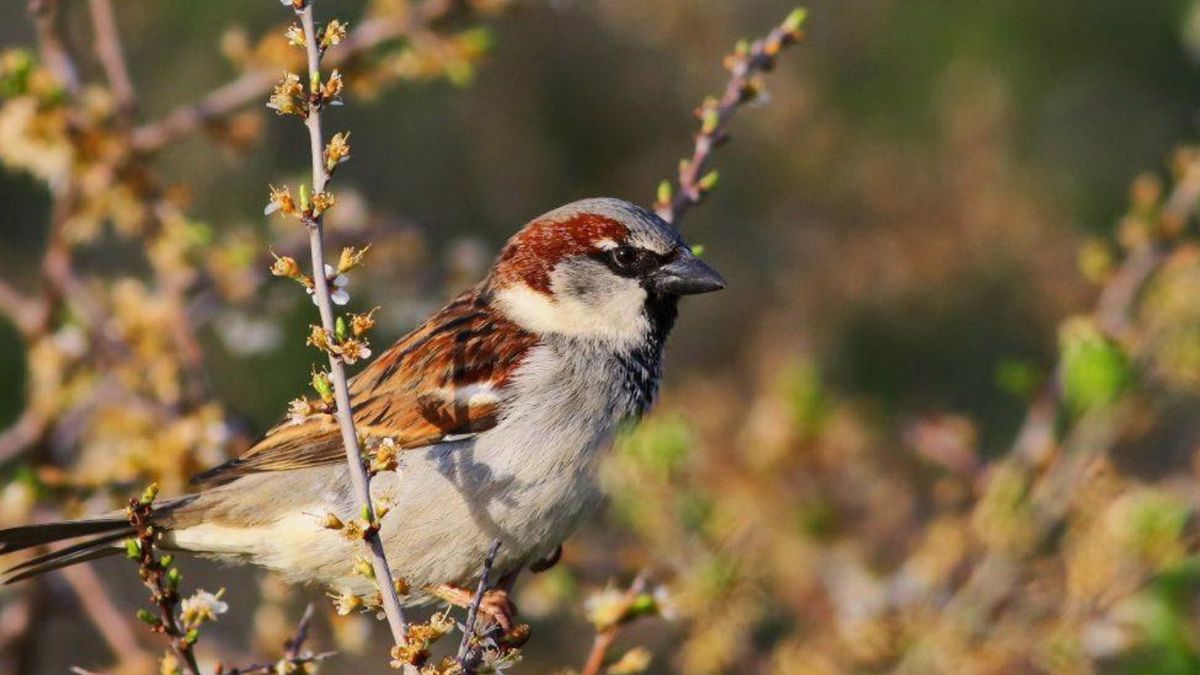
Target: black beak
685	275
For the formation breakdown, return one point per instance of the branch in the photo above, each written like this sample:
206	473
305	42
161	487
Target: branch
105	616
251	85
28	315
53	48
156	576
337	370
464	647
745	65
111	56
293	656
607	635
997	573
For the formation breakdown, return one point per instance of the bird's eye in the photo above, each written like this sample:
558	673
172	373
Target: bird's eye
625	256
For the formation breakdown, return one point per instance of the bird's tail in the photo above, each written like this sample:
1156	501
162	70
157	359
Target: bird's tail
98	537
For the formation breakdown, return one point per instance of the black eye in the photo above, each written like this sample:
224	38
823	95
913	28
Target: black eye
625	257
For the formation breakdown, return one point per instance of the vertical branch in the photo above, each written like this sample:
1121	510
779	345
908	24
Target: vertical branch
464	647
112	57
157	576
52	46
337	370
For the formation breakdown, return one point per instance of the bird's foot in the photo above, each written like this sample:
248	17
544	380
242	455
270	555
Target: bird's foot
495	604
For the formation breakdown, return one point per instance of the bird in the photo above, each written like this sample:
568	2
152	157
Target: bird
501	404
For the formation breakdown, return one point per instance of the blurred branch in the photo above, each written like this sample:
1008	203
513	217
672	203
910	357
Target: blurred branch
337	369
746	66
53	47
106	617
251	85
997	573
26	314
111	56
606	635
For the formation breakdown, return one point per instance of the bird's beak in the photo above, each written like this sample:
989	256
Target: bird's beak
685	275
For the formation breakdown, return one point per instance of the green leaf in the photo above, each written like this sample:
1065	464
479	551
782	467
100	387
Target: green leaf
1095	370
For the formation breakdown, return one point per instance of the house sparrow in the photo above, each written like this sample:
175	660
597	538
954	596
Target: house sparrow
502	403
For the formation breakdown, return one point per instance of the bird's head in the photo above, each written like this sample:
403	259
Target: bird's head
602	269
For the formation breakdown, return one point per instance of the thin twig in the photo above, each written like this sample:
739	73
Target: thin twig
112	57
292	652
53	48
25	313
154	576
251	85
745	66
337	370
605	638
293	645
464	647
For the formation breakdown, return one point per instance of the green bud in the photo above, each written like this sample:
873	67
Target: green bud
305	198
643	604
795	20
665	193
191	636
709	181
1095	370
166	560
340	330
320	382
174	576
150	493
365	514
147	618
477	40
133	549
697	250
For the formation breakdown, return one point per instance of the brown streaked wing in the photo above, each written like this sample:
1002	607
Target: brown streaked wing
443	379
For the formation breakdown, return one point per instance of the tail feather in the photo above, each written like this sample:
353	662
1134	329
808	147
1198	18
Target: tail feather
90	553
105	541
102	535
27	536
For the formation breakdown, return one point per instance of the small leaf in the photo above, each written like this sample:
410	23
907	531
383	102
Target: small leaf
665	192
1096	371
795	20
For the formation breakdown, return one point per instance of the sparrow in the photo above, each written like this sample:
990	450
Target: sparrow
502	403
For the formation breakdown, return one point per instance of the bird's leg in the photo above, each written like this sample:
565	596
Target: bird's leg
495	604
549	561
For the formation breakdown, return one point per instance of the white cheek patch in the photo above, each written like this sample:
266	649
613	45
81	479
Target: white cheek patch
614	316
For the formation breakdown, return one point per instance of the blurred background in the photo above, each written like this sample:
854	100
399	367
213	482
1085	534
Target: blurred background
906	438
